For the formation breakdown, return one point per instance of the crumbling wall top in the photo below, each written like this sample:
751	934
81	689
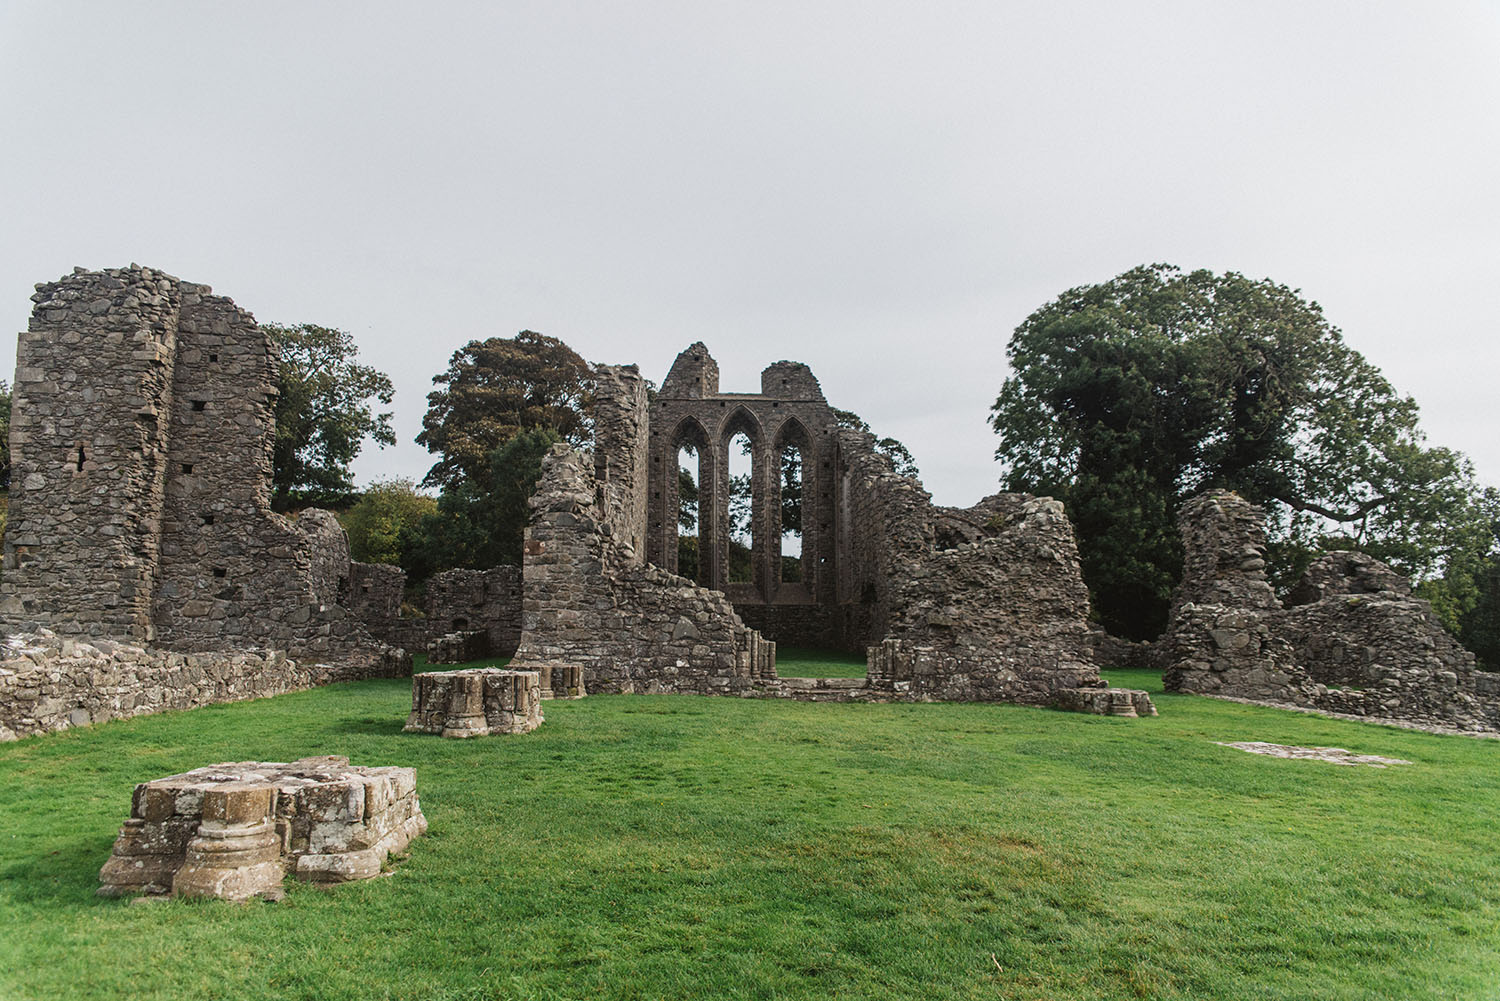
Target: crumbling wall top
1345	573
790	380
693	376
1224	538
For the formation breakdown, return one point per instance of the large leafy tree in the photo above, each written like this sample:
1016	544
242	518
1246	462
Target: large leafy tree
324	413
1129	396
481	521
493	390
383	518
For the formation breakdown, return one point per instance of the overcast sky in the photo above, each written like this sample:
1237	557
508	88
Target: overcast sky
881	190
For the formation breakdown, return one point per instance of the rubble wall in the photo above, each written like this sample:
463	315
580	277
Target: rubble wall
1353	640
376	591
142	432
49	682
488	600
1002	618
592	603
91	409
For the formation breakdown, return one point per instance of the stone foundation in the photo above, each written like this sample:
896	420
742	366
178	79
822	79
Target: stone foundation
234	830
475	703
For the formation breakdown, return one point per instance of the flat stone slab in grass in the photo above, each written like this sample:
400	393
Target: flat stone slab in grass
1332	755
476	702
234	830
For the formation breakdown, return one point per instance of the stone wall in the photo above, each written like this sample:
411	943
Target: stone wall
49	682
1000	617
789	412
141	439
469	600
1003	618
592	603
1353	640
376	591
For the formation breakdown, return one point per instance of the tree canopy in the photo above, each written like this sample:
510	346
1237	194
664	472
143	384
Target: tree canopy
383	516
481	521
496	388
324	413
1129	396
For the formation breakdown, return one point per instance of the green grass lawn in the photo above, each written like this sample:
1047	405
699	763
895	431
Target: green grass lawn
691	847
806	662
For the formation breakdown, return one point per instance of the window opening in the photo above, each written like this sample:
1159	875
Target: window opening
790	474
688	563
741	510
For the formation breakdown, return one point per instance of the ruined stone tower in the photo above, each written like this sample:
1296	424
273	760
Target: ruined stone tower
142	431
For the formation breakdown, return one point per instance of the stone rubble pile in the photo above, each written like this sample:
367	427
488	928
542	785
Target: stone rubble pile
1352	639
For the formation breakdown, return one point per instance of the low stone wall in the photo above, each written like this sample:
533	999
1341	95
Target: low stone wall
489	600
233	830
52	683
459	648
475	703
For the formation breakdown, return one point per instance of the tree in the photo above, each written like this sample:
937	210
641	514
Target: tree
496	388
481	522
383	518
324	413
1129	396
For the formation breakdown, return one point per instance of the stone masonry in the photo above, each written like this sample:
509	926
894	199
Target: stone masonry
475	703
234	830
592	604
995	609
1351	639
50	682
141	439
486	601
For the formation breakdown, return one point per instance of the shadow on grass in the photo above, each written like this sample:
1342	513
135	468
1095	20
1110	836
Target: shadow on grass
64	876
369	727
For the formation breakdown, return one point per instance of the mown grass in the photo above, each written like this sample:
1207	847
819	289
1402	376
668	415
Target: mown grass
680	846
807	662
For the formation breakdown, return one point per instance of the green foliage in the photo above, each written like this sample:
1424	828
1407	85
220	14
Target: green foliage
687	495
481	521
1129	396
687	556
493	390
685	847
324	413
385	513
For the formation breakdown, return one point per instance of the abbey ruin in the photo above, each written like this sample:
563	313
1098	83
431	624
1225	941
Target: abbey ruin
145	570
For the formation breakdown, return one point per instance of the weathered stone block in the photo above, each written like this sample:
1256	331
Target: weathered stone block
252	822
476	702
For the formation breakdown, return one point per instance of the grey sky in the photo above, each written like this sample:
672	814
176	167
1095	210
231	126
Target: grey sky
881	190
